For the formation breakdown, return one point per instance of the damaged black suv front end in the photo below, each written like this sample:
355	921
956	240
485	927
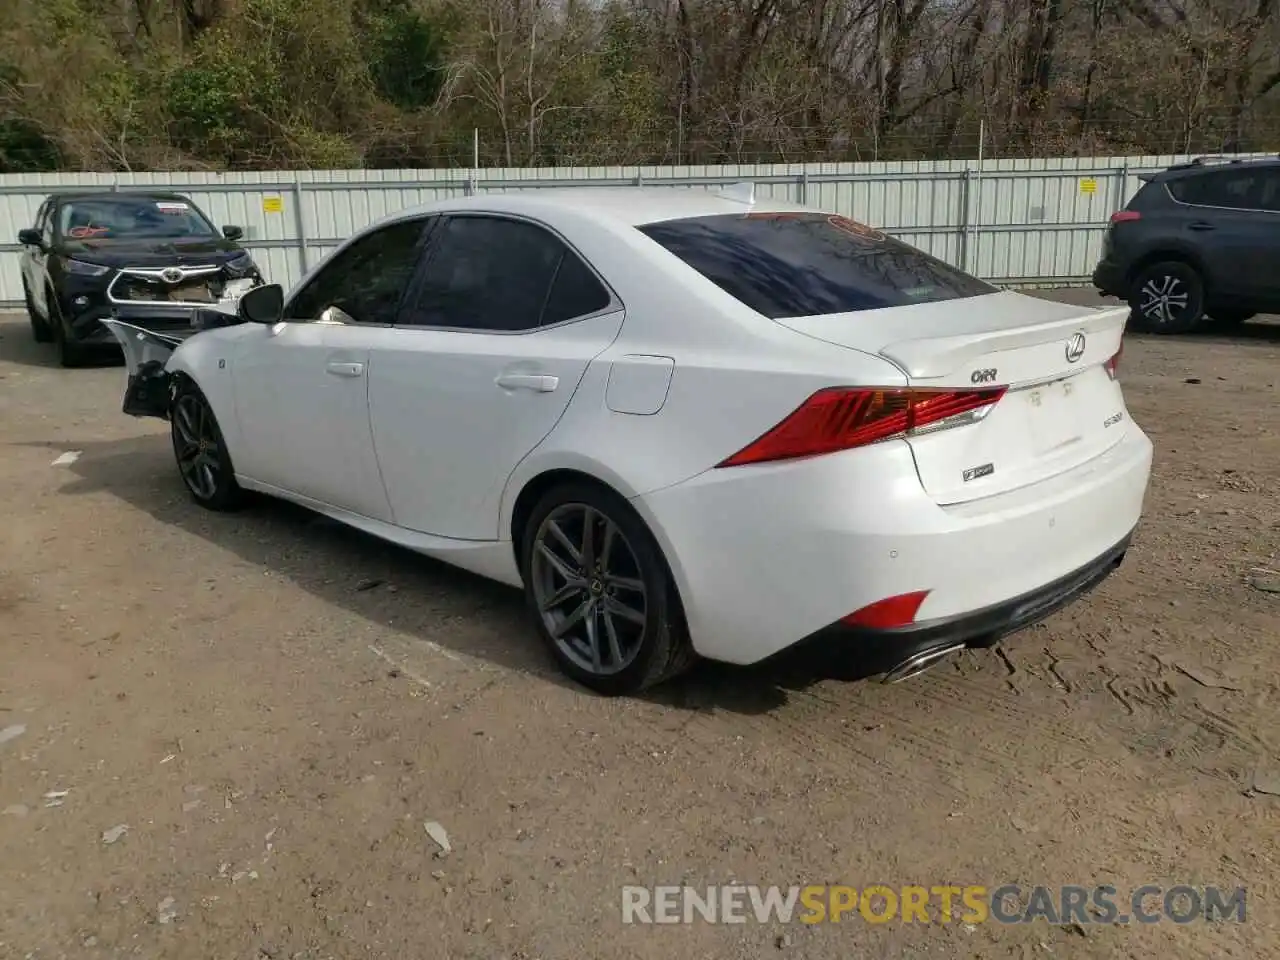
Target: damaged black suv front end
151	260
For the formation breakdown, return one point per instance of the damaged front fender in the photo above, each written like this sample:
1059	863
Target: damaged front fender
145	355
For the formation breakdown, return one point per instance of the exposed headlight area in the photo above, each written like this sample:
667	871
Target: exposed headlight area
81	269
241	266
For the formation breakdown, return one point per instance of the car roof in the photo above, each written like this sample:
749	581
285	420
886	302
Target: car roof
64	197
634	206
1209	164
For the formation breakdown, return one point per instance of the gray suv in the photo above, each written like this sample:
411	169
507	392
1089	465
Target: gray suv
1201	239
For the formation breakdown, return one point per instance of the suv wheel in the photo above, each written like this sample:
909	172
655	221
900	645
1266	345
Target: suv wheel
1167	297
39	325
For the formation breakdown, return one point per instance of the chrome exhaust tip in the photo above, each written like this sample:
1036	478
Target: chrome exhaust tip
918	663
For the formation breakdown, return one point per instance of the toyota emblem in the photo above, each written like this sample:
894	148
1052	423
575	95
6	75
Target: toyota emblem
1075	348
174	274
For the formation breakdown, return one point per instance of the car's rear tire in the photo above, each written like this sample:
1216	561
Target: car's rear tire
600	592
1231	318
1167	297
200	450
39	325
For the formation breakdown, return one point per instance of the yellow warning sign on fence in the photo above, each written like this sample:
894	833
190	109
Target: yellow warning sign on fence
1089	185
273	204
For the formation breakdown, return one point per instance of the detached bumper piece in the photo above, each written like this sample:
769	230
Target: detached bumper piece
911	649
147	351
147	394
145	354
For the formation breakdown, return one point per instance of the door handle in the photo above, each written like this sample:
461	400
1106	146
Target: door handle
343	369
1201	225
540	383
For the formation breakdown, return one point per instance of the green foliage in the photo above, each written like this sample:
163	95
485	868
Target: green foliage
25	149
407	57
139	84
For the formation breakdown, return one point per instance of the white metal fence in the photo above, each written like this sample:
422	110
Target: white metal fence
1014	222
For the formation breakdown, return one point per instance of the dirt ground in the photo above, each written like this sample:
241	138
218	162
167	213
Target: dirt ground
273	706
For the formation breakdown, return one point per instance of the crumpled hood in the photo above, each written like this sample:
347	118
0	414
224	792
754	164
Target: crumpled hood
153	251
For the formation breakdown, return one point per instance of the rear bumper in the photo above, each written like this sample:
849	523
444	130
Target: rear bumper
984	627
768	556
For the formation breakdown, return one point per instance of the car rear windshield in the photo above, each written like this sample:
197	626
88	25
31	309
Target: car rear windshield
806	264
120	217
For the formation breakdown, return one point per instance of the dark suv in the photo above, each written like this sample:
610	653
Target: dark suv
1199	239
152	259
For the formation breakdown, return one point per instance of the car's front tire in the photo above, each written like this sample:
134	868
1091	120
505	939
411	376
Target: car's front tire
1167	297
39	325
200	450
70	353
600	592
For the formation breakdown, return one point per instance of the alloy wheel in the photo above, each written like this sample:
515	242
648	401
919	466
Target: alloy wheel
1164	299
197	445
589	589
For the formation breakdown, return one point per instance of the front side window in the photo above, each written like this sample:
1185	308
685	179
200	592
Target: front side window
490	273
808	264
367	280
121	217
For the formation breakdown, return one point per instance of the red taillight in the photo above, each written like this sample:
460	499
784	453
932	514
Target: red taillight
1112	366
840	418
1125	216
887	613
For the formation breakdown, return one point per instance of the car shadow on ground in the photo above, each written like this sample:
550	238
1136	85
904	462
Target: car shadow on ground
406	592
18	346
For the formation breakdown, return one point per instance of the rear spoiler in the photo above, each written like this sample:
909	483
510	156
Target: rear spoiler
1146	177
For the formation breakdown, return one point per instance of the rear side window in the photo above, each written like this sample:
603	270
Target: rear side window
1271	191
1232	189
805	264
490	273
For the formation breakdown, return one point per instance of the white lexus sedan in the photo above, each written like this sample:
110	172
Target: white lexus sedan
684	423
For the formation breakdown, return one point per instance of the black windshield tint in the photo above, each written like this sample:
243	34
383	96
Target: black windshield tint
117	218
807	264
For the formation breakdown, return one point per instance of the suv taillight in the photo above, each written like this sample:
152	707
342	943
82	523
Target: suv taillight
1125	216
840	418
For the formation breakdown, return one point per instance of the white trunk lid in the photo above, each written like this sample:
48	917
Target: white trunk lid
1061	407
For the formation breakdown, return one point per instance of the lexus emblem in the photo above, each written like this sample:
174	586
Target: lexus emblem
173	275
1075	348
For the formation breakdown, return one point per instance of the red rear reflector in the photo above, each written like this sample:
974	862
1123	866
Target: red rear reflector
887	613
840	418
1125	216
1112	366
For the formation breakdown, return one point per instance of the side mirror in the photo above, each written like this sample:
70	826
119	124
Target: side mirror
31	238
233	233
264	304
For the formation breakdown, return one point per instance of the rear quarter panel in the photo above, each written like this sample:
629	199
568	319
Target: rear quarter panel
735	374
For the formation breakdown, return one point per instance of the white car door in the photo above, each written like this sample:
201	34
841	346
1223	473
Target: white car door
302	386
491	343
